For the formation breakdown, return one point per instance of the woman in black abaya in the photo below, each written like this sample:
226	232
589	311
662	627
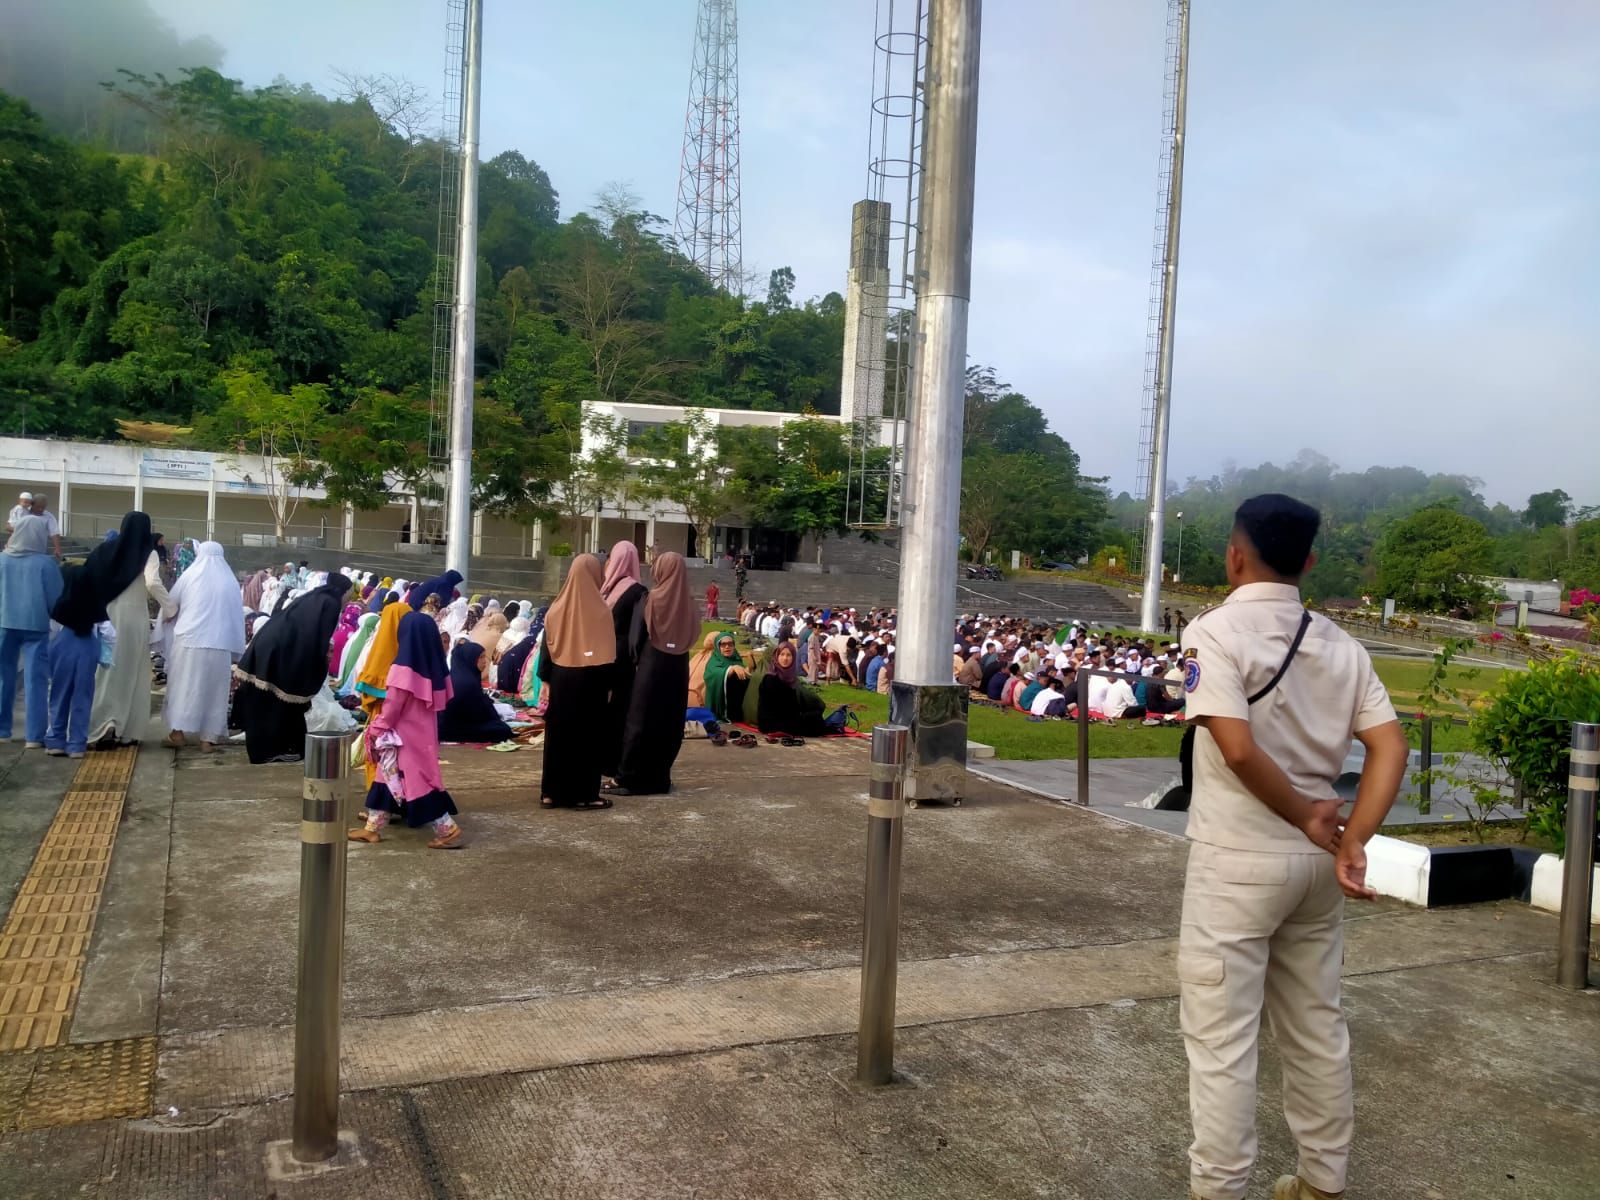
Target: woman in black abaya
652	735
470	714
284	666
575	665
624	593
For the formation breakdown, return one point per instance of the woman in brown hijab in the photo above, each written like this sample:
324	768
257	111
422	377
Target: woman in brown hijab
575	665
652	733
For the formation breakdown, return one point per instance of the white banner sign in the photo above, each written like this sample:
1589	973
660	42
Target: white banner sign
175	464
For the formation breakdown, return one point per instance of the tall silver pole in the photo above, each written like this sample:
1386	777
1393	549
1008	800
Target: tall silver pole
1577	867
458	526
1150	609
315	1126
933	445
880	937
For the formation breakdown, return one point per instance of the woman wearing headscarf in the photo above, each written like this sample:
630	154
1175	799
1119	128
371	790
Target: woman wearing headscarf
624	593
379	598
184	556
74	656
652	735
378	657
452	618
345	681
516	630
726	679
575	662
283	669
201	645
470	716
348	620
516	672
253	589
130	571
444	587
697	670
30	585
488	634
402	741
781	704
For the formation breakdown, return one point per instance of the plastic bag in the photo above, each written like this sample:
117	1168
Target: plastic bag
106	636
326	716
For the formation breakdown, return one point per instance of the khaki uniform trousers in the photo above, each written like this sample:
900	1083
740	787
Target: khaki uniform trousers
1263	927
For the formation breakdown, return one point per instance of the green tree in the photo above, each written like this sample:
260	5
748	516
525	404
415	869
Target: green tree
1435	560
1548	508
279	428
682	463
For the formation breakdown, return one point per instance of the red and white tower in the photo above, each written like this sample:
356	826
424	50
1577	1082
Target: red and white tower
708	185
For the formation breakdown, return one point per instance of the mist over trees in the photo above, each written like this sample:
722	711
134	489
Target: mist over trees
61	54
1385	530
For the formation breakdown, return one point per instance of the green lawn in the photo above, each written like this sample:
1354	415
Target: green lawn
1013	736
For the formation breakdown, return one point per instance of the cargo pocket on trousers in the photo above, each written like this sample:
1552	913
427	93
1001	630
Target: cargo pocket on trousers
1203	997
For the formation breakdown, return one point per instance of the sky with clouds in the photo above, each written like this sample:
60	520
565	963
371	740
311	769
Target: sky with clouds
1391	227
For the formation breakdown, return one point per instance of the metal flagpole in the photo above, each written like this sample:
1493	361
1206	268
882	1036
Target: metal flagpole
923	695
458	525
1150	609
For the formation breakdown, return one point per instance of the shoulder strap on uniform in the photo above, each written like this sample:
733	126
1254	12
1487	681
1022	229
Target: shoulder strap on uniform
1294	648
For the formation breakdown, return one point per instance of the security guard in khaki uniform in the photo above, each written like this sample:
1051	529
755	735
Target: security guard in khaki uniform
1276	695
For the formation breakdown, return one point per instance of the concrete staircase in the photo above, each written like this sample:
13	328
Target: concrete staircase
856	574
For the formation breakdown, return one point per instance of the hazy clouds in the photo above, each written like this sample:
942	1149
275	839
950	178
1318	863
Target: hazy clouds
1390	237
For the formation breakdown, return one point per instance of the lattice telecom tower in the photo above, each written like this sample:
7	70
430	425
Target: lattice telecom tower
431	511
708	184
1151	477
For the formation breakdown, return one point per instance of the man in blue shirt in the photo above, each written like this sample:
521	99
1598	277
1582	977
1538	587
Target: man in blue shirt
30	584
874	668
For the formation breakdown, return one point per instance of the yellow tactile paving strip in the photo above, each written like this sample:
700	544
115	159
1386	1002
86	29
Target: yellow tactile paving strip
43	945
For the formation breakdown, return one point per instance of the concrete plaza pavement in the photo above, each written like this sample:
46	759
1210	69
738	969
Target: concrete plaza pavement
657	1001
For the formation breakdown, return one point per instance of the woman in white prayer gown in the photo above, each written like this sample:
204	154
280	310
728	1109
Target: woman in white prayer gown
122	691
203	642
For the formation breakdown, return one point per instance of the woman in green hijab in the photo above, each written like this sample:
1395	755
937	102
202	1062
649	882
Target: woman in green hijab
726	680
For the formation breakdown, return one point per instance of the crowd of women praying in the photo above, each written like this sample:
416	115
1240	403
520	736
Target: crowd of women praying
605	671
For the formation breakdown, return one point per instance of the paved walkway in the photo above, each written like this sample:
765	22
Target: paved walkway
657	1002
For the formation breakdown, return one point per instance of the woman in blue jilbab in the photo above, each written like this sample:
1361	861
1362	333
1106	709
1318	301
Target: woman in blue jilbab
652	735
470	716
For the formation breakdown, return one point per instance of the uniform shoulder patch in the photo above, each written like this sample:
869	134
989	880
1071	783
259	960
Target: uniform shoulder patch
1191	673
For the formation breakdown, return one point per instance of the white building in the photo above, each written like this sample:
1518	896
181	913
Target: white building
228	497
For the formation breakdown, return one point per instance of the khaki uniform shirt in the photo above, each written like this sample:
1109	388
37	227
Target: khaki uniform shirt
1329	693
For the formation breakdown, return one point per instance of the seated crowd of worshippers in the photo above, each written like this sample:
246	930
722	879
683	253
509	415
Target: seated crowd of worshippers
1041	670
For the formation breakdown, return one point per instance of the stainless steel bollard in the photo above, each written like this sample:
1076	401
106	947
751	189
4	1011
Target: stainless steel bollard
1083	738
880	944
1577	868
323	819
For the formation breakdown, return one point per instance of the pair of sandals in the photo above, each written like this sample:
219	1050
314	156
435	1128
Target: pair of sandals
784	740
598	802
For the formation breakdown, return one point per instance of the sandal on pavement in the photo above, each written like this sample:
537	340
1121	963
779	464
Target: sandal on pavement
173	742
794	741
363	834
719	738
450	841
597	802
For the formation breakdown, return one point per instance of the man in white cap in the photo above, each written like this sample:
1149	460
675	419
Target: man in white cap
24	507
